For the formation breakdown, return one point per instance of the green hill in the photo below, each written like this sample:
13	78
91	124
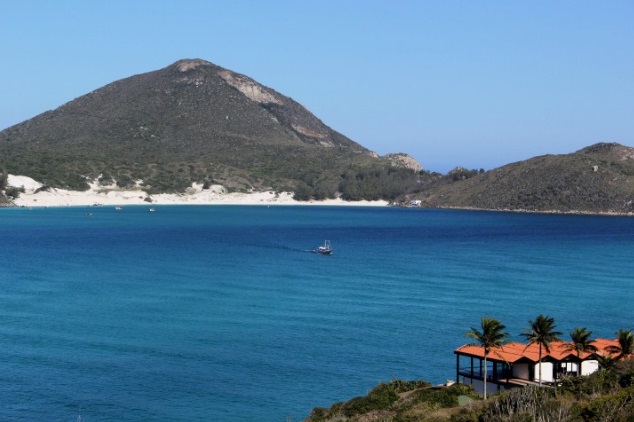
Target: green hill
192	121
596	179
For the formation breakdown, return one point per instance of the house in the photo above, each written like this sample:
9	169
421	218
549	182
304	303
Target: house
517	365
415	203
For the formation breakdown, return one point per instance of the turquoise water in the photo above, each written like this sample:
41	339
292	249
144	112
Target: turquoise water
221	314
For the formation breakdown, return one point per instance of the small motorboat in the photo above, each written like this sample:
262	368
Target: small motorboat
152	210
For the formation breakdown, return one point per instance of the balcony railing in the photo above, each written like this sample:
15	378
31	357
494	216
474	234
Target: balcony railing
479	374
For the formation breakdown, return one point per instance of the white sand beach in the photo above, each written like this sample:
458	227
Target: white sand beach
195	195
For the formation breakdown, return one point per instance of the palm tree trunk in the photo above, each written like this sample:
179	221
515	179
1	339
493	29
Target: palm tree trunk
485	377
540	364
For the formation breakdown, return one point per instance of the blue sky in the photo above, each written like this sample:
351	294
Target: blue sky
471	83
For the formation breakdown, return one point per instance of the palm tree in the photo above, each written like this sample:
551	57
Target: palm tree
605	361
541	331
492	335
580	343
625	338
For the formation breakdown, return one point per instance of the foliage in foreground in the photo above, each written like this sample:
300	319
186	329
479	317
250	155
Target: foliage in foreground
605	396
396	400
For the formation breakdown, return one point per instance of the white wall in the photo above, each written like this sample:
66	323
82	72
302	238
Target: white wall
547	372
589	366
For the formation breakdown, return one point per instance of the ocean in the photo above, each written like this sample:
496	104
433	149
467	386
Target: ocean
221	313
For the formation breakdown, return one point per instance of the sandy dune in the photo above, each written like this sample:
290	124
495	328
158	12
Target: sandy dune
196	195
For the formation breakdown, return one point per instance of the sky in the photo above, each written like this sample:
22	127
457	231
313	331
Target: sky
477	84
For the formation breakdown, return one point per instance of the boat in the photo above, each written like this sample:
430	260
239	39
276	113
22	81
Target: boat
325	249
118	208
152	210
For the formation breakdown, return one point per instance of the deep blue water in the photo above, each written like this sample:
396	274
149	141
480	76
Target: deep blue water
220	314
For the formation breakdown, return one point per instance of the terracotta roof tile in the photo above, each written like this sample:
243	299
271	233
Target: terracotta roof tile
514	351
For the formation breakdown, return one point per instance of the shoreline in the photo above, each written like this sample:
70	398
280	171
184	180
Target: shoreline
111	195
97	195
549	212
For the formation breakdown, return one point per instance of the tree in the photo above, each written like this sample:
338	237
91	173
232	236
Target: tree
492	335
541	331
580	343
606	361
4	177
625	338
302	192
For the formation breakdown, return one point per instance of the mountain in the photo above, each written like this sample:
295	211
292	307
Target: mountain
596	179
190	122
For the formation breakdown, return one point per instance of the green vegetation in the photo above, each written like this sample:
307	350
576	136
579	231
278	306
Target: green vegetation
625	338
13	192
599	178
8	192
375	183
541	331
3	180
169	130
4	201
491	335
461	173
173	127
606	395
580	343
396	400
187	123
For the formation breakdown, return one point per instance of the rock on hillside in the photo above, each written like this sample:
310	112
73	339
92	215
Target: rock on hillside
596	179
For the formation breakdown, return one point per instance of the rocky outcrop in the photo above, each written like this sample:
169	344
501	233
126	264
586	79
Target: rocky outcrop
402	159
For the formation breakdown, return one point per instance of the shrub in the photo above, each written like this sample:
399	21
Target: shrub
615	407
13	191
601	382
124	181
519	402
76	182
624	370
377	183
105	179
43	188
445	396
302	192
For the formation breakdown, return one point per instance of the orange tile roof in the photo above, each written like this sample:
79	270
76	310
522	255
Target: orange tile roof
514	351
